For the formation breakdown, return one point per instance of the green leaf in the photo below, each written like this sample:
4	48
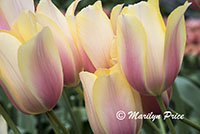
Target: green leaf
27	122
188	92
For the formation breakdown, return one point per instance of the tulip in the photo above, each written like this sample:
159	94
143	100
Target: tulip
3	126
106	92
48	14
31	71
149	103
95	35
150	54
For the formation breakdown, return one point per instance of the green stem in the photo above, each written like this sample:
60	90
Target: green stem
58	122
163	109
68	105
154	126
53	123
78	89
11	124
187	121
162	128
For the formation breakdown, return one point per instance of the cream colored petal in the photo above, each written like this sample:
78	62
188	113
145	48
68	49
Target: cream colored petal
95	34
12	8
25	25
88	79
46	7
114	16
72	8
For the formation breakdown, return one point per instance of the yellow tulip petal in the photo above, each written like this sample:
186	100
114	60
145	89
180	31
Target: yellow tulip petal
98	4
150	18
112	93
155	3
25	25
114	15
175	41
132	47
88	80
11	80
71	9
40	67
12	8
95	34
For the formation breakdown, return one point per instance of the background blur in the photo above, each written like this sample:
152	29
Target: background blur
186	89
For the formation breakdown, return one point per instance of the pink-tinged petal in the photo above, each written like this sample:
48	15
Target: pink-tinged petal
3	22
70	70
112	93
175	41
40	67
132	47
95	34
150	104
87	64
149	16
114	15
12	8
3	125
11	80
47	8
88	80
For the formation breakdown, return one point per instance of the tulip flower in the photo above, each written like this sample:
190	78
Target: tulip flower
150	54
3	125
31	71
47	14
106	92
96	36
150	104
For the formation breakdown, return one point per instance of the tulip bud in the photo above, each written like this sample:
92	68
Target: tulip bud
106	92
31	72
150	104
150	54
